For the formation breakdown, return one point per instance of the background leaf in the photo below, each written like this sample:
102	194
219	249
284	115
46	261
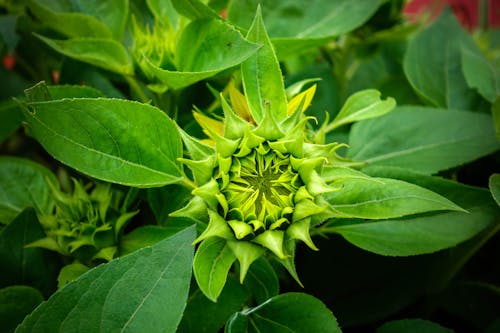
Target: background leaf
425	233
15	303
362	105
144	291
412	326
194	9
261	75
494	183
204	316
27	266
70	24
365	197
23	183
100	52
294	25
205	48
114	140
480	73
423	139
211	265
433	64
112	13
290	312
262	281
11	118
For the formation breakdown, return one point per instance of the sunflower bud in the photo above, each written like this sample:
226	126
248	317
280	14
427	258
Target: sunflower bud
263	184
86	223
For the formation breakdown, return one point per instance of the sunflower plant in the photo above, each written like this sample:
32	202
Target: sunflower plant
199	177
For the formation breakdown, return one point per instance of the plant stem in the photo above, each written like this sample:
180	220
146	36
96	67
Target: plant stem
137	89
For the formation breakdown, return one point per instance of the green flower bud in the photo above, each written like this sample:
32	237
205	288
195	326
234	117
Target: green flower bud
86	223
260	186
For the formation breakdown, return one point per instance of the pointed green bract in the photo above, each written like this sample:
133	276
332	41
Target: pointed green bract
211	264
262	78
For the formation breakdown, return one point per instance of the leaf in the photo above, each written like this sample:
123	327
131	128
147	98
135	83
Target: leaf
425	233
144	291
495	111
147	235
205	48
433	64
204	316
23	183
194	9
15	303
412	326
163	11
295	25
70	91
367	197
175	195
494	184
290	312
70	24
112	13
70	273
262	281
262	77
11	118
362	105
480	73
21	265
423	139
212	262
113	140
100	52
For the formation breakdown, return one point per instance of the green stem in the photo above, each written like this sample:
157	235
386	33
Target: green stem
137	89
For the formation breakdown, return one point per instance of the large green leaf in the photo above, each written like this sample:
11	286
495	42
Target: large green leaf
23	183
423	139
480	73
147	235
15	303
112	13
211	265
361	196
290	312
262	78
294	25
424	233
433	64
412	326
100	52
110	139
21	265
204	316
145	291
205	48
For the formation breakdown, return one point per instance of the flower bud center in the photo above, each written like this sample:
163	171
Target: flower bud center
261	188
